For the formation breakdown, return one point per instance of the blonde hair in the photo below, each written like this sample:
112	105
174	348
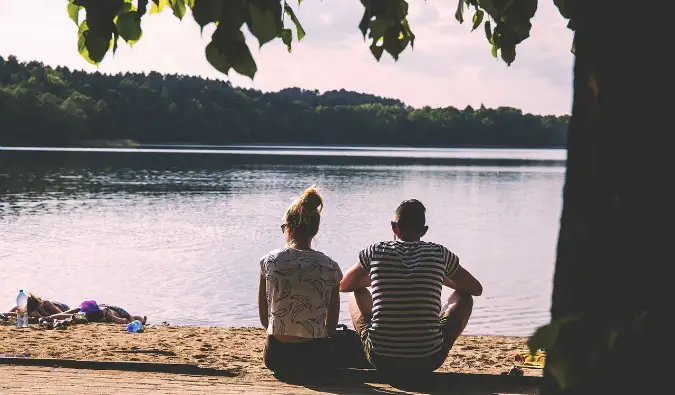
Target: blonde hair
304	215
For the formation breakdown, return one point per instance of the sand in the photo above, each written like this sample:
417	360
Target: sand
237	350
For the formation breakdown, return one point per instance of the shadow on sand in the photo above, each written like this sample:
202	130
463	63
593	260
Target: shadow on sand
357	381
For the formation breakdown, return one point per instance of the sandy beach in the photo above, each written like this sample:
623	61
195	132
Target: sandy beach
236	350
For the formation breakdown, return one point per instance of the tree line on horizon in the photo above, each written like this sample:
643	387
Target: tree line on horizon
45	106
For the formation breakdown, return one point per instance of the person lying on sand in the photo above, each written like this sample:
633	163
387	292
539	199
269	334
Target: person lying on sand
100	313
38	308
298	294
401	325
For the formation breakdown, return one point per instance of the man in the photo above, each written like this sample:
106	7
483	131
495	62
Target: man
402	326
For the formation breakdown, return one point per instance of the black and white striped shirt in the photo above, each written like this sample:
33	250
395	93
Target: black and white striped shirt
407	278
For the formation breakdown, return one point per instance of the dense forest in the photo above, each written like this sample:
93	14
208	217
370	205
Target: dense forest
41	105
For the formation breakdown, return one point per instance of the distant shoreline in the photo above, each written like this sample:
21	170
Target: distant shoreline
131	143
307	155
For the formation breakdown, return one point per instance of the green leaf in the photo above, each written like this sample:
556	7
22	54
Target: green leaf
477	19
376	50
243	62
178	7
158	6
543	338
126	6
287	37
490	8
379	27
409	32
97	46
508	53
488	31
228	50
298	27
129	26
116	36
560	371
494	50
365	22
263	23
81	42
91	46
459	14
217	59
142	7
394	41
74	13
207	11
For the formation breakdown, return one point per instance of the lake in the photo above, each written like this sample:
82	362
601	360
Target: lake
176	234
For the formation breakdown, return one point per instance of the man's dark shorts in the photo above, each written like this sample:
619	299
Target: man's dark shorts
451	332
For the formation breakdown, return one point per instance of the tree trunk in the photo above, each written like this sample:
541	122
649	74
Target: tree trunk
613	253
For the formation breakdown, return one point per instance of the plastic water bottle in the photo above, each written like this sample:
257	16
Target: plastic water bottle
134	326
21	310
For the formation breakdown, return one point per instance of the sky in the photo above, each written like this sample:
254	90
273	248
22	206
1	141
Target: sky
449	65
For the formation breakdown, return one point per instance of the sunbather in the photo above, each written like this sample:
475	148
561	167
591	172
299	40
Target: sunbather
100	313
38	308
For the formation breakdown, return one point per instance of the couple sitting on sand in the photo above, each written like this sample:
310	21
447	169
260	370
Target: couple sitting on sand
401	325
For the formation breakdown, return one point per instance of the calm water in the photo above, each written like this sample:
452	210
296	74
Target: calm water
177	235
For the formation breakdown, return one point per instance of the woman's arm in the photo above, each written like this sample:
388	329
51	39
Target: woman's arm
333	313
262	301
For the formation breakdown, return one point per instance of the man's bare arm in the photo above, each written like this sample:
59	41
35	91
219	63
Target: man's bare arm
463	281
354	279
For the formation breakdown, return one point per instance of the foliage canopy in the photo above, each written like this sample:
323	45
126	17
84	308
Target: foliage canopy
384	25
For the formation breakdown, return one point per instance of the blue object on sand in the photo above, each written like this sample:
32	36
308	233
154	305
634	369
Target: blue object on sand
135	326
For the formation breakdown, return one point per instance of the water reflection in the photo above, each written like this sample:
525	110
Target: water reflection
179	237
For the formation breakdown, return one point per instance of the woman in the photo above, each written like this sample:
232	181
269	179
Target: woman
298	294
100	313
38	308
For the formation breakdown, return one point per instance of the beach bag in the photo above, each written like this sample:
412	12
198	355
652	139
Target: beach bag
346	349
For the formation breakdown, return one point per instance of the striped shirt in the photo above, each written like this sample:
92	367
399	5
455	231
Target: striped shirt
407	278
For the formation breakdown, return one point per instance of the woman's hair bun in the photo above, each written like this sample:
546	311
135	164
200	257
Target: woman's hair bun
311	199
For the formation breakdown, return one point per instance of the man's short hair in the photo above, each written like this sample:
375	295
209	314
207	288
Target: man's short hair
411	215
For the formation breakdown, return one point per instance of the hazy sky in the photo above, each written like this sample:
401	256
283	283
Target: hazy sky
450	66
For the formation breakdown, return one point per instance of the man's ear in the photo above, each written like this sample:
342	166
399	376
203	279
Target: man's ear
424	231
394	229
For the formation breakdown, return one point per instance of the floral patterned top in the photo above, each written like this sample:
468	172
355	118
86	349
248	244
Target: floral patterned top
298	290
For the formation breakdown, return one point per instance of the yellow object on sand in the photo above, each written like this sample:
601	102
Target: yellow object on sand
536	361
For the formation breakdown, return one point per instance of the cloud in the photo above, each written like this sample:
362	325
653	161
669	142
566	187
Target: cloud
450	65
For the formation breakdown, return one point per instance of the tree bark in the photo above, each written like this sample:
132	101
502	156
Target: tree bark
613	249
